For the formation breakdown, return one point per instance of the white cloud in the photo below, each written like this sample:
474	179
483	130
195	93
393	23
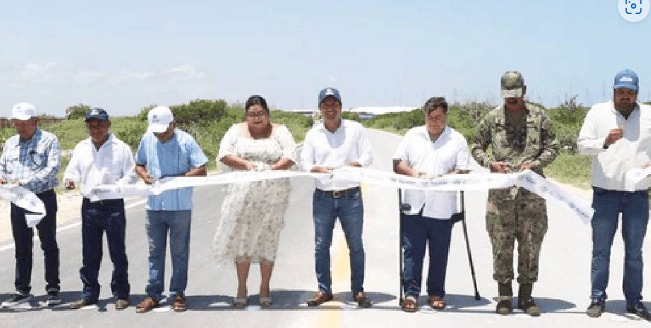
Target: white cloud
54	86
36	70
186	71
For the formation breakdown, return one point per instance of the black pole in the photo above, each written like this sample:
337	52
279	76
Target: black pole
401	271
465	235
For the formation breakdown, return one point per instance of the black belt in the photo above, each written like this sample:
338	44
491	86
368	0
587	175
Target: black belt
86	201
338	193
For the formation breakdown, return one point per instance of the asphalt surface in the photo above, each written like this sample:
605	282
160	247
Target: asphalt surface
562	290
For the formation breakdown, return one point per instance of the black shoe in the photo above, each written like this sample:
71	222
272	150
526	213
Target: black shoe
16	299
504	306
596	308
529	306
53	298
640	310
362	300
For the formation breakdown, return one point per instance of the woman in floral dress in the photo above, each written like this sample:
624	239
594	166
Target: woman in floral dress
252	214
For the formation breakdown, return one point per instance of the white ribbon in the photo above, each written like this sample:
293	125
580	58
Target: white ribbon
637	175
472	182
113	191
25	199
456	182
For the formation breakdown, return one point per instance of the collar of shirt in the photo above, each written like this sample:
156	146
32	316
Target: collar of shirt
109	141
342	125
635	110
35	137
446	132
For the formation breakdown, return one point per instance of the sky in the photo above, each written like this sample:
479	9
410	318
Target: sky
125	55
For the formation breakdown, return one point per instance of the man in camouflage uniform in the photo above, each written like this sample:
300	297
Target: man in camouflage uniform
522	138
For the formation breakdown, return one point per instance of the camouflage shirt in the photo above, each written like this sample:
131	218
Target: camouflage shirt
534	143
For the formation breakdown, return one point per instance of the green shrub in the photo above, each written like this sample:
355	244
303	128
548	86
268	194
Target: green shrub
77	111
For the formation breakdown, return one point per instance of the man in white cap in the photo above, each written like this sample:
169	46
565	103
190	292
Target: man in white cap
101	159
32	159
611	134
165	151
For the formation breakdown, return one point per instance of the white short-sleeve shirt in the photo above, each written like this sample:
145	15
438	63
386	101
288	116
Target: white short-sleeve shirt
449	152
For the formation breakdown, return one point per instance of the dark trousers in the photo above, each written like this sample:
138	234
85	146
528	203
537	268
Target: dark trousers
23	241
97	218
417	232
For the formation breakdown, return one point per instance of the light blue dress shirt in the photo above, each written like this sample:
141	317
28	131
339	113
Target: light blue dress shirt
177	156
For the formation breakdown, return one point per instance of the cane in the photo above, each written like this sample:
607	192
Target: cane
465	235
402	208
400	269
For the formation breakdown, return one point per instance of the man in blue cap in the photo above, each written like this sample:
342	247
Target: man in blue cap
611	134
331	144
101	159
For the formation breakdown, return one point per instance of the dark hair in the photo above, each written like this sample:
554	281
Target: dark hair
434	103
256	100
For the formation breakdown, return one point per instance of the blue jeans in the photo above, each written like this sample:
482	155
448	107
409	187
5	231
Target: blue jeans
97	218
416	233
350	211
157	225
634	207
23	240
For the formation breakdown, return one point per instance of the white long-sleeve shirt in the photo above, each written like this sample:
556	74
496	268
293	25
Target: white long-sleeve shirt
111	163
609	166
348	144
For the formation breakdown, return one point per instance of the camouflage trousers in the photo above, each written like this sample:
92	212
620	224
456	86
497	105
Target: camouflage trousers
508	220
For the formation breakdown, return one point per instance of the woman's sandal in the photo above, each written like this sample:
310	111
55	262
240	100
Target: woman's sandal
437	302
265	301
239	303
410	304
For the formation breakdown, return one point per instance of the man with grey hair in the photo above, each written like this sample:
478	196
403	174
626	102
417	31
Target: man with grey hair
522	138
31	159
429	151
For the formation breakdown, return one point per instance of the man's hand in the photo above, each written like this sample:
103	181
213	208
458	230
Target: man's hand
69	184
3	181
614	135
249	166
321	169
356	164
149	179
526	166
500	167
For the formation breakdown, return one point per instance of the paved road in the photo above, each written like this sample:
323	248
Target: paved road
562	291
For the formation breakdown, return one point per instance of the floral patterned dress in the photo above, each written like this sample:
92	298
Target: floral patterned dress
252	214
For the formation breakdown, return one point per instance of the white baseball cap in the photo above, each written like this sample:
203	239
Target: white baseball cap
159	118
23	111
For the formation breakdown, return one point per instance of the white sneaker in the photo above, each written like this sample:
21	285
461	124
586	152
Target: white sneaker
17	299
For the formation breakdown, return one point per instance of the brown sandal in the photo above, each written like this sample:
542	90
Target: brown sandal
410	304
146	305
437	302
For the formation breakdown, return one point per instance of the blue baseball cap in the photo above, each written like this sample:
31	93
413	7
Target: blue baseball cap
626	79
97	113
329	92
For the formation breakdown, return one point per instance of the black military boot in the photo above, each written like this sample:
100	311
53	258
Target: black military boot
505	298
525	301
